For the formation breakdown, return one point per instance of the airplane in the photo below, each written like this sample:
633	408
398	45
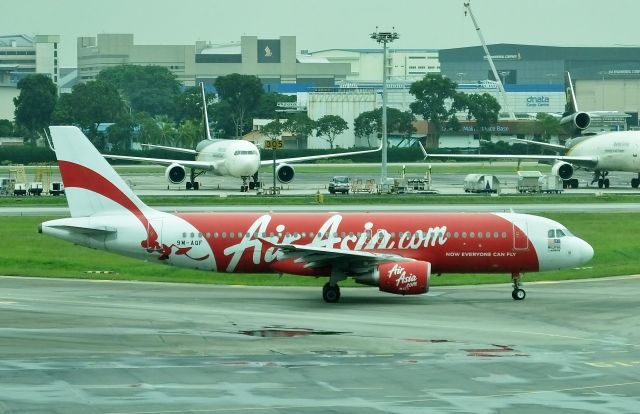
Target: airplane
600	153
396	252
226	157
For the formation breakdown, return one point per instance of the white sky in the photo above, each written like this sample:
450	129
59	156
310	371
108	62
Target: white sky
329	24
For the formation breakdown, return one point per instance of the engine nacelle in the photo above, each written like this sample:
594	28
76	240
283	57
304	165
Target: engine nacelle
285	173
575	123
175	173
400	278
562	169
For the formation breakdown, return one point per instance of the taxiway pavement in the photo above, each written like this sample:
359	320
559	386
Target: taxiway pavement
71	346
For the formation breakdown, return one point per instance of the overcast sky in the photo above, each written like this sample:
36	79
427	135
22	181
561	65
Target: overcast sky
329	24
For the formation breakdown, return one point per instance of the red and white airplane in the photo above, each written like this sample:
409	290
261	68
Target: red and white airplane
397	252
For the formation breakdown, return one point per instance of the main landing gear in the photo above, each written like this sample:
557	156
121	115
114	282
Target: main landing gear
518	293
330	294
600	178
635	182
254	184
331	290
192	184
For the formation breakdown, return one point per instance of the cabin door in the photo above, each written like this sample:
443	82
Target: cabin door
520	238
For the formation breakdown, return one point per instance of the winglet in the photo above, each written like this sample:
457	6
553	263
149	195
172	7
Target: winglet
424	151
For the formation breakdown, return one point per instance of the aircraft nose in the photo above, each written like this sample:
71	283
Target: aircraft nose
586	251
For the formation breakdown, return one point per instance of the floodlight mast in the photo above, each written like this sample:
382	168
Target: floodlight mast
512	115
384	38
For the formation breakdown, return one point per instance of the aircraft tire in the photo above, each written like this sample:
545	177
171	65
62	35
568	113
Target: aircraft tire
635	182
518	294
330	294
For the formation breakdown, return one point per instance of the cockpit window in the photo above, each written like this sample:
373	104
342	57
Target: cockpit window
240	152
558	233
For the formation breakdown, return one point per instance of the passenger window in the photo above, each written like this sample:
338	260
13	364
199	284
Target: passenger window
504	234
488	235
495	234
455	235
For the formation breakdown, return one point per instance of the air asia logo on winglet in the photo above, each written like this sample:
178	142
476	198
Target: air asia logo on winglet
403	280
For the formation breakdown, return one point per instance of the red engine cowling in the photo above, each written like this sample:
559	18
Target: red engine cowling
400	278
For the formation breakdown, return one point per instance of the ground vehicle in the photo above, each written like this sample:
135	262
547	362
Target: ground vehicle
340	184
56	188
481	183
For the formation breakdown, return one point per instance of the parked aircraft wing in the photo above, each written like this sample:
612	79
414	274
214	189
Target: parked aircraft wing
174	149
318	157
198	165
555	147
584	161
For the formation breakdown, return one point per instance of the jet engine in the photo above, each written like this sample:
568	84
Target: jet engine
175	173
562	169
575	123
285	173
400	278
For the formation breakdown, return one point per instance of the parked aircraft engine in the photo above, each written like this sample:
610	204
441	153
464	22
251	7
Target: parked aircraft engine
575	123
285	173
175	173
562	169
400	278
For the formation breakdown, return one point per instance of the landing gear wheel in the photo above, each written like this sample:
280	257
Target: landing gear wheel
244	188
189	185
196	185
518	294
606	183
330	293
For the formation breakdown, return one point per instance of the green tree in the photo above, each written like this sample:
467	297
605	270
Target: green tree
273	129
63	113
189	104
35	104
548	125
484	109
92	103
268	106
330	126
119	135
189	133
6	128
151	89
242	95
368	123
301	126
435	100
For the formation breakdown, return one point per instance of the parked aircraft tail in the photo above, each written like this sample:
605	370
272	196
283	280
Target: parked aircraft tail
205	117
572	119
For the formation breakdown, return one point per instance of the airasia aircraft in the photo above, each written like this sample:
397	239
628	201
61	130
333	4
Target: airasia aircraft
397	252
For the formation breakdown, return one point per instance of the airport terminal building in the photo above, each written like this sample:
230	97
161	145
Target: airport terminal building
605	78
274	61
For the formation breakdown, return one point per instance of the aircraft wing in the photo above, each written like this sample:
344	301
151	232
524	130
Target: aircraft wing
198	165
554	147
583	161
318	157
355	261
174	149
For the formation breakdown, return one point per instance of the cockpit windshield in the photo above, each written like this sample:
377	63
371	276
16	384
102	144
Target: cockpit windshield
559	233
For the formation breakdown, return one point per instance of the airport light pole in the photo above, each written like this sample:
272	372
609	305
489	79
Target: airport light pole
384	38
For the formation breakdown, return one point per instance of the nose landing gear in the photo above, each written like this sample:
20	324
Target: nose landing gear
518	293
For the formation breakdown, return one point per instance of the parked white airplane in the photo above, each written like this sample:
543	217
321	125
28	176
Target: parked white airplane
226	157
395	252
601	153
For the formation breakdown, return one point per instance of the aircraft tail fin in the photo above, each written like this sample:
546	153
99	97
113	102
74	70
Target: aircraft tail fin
92	186
571	106
205	116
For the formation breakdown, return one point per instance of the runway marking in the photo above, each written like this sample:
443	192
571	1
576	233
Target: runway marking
372	403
